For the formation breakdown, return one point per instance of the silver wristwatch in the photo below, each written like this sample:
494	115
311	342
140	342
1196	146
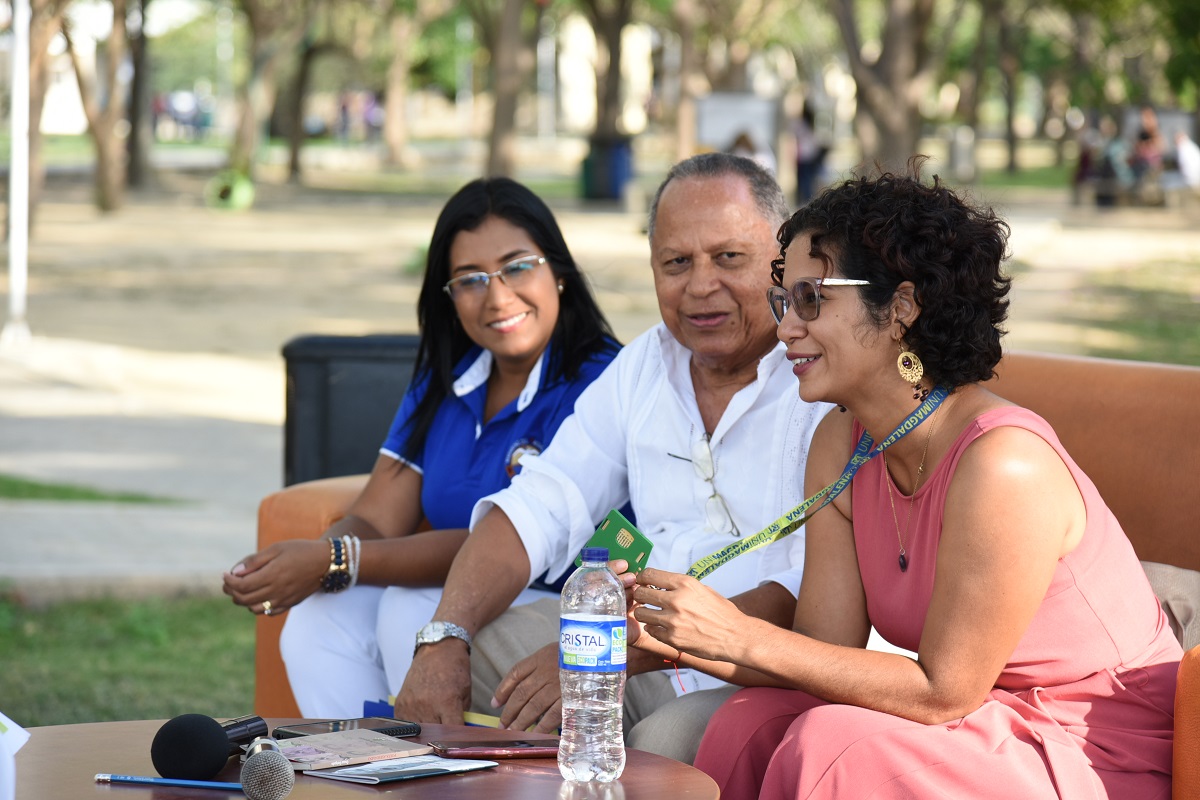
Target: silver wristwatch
436	631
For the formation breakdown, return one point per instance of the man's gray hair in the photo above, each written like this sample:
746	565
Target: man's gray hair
763	186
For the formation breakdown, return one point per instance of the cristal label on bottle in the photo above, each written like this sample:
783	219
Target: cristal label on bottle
591	643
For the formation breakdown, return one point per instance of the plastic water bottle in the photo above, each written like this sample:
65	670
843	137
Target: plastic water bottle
591	661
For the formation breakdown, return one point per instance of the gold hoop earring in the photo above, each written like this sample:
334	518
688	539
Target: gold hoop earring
911	370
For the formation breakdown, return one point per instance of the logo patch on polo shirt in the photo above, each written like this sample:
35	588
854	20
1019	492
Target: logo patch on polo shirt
520	447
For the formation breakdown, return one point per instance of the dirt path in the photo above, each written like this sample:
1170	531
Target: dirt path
168	274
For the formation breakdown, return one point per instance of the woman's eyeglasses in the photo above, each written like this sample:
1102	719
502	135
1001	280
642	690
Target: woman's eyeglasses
804	297
716	510
475	284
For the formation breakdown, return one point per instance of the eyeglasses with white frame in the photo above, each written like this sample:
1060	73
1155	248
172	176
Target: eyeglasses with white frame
716	510
475	284
804	297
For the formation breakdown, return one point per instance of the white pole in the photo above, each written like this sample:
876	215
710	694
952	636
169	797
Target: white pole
16	329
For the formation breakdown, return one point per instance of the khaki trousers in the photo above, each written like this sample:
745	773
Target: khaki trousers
656	720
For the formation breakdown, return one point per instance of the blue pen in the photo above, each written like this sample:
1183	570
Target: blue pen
104	777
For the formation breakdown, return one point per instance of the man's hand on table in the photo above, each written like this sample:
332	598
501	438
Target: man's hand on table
531	694
437	688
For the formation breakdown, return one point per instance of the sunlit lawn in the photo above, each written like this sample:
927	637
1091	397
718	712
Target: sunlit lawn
1047	177
116	659
1155	310
55	149
111	659
14	488
428	184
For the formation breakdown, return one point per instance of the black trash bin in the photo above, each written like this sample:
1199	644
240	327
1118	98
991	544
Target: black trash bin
607	168
342	393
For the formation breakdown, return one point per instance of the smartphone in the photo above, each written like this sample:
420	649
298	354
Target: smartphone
386	725
497	748
623	540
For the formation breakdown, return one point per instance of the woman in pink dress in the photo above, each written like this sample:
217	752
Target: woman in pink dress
1044	665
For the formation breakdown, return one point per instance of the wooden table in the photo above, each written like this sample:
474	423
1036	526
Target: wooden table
61	761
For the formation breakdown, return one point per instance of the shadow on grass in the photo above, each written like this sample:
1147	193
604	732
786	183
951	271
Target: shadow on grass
1153	314
1047	177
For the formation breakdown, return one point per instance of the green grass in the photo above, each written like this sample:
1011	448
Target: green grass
1047	177
414	265
1154	312
55	149
417	183
1151	313
100	660
12	488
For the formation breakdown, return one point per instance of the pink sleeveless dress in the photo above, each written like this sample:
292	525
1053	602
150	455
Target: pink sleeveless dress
1082	709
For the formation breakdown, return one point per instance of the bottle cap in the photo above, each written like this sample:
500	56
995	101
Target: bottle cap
595	554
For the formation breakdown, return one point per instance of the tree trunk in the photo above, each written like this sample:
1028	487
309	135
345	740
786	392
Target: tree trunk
1082	90
506	85
296	133
1056	101
968	104
737	70
141	134
103	118
44	24
395	119
1010	66
254	101
275	27
891	88
608	24
38	81
869	136
685	123
110	172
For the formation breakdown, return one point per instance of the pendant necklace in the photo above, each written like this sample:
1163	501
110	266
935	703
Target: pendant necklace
900	537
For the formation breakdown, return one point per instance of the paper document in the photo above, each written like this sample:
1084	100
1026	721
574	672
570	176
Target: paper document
12	737
345	748
400	769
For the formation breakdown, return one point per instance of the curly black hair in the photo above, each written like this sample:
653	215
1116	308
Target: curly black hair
893	228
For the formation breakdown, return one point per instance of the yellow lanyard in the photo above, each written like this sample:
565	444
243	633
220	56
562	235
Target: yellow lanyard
793	519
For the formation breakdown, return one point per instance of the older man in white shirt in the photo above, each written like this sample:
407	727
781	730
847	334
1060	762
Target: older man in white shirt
697	423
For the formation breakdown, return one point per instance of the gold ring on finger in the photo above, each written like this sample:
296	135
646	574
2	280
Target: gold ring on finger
267	608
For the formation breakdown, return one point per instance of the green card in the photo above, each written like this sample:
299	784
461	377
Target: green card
623	540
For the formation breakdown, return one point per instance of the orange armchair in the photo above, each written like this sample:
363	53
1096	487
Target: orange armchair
1186	756
301	511
1132	427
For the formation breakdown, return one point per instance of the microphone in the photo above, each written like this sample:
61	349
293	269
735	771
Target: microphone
196	747
243	730
266	774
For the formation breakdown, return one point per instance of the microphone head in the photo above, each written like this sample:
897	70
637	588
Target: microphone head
191	746
242	731
266	774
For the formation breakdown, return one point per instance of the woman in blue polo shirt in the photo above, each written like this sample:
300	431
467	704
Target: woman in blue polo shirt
510	336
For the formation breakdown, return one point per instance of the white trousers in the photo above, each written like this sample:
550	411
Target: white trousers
345	648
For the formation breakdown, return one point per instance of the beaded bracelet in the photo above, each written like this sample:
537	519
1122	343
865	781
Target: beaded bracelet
353	547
